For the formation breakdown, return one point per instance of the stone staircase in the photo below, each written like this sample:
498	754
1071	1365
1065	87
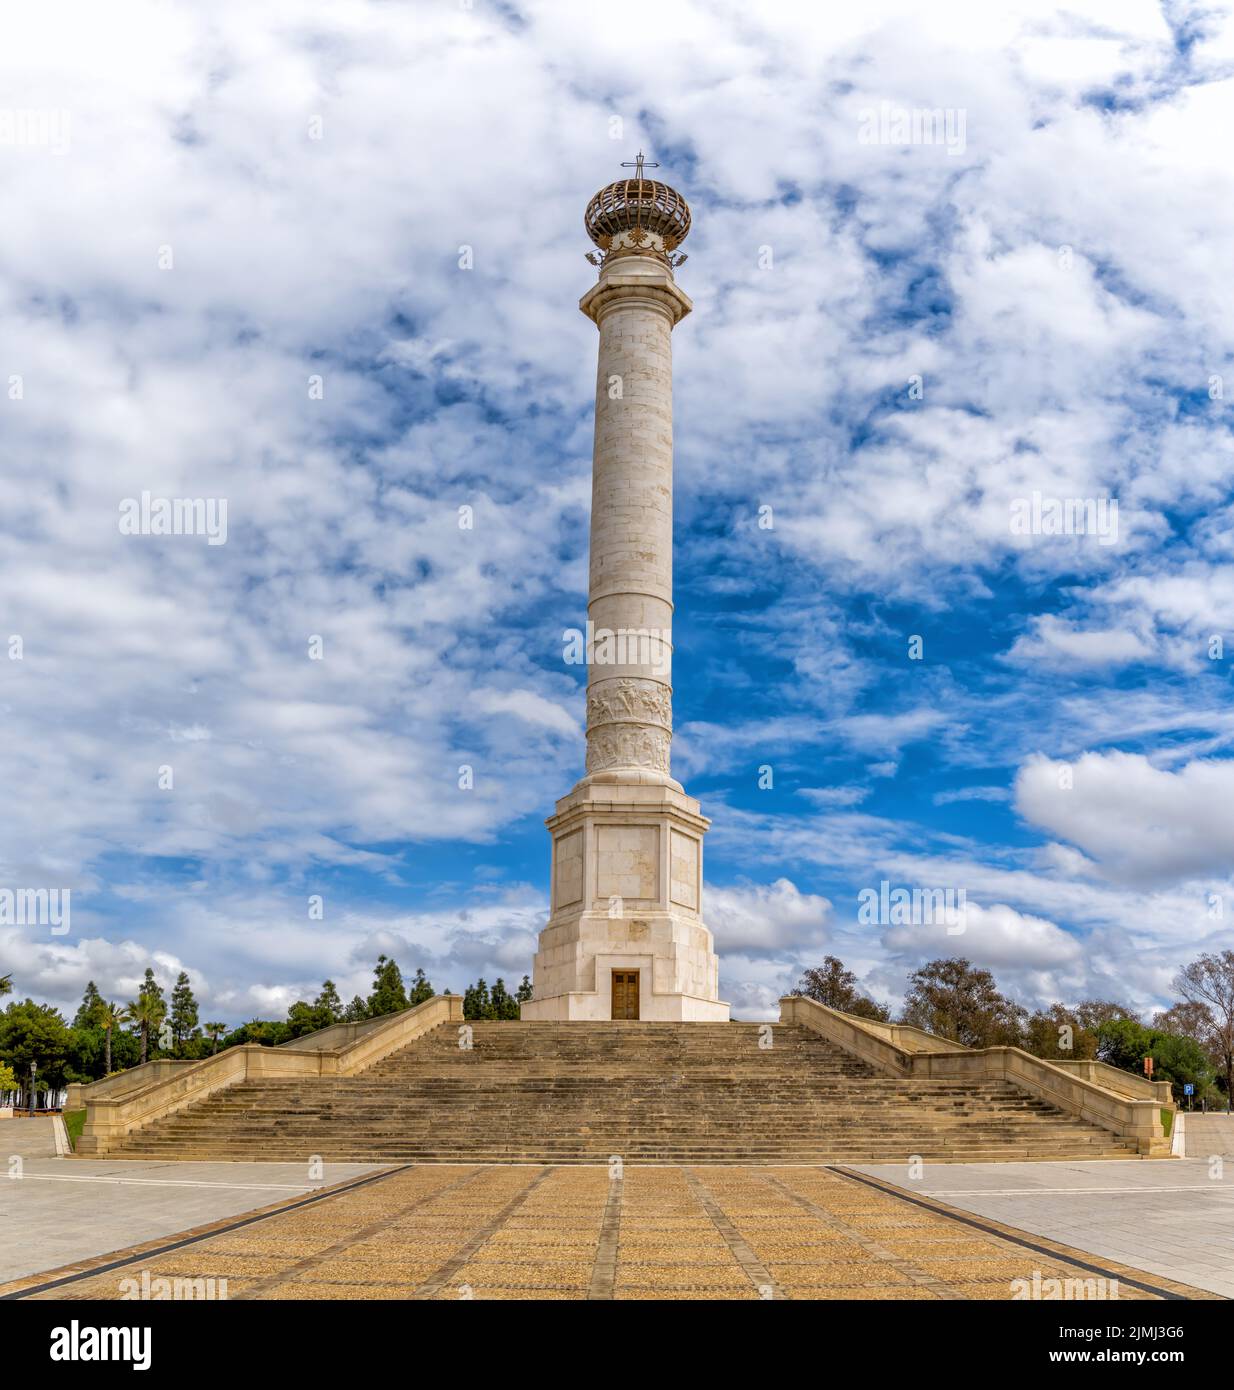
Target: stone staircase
649	1092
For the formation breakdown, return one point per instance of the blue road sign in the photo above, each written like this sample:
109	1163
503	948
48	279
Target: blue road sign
1188	1088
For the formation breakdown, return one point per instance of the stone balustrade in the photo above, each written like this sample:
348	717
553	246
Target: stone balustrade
1089	1094
132	1102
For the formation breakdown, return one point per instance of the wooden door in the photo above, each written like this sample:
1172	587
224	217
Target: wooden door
625	993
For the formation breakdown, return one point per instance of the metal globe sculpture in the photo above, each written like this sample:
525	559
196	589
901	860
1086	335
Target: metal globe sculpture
638	206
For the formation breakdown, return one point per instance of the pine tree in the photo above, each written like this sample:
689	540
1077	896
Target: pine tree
421	989
388	996
148	1011
356	1011
328	1003
502	1002
91	1012
183	1011
524	990
476	1002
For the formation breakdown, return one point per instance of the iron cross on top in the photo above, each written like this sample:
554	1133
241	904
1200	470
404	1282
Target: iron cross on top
637	165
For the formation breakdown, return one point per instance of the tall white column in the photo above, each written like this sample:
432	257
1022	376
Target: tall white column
627	869
636	305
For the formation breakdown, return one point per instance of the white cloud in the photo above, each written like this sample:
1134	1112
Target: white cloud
997	937
766	917
1138	822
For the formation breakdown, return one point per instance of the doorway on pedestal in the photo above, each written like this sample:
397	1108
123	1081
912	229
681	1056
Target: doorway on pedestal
625	993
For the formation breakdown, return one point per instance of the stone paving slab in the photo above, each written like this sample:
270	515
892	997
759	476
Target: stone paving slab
1173	1218
457	1231
63	1211
1204	1135
28	1137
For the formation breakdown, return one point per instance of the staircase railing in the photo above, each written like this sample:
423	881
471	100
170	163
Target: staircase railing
116	1111
1088	1095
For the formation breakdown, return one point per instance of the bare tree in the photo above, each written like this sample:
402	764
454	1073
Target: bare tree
1210	981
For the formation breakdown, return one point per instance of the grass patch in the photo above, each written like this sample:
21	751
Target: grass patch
74	1122
1167	1121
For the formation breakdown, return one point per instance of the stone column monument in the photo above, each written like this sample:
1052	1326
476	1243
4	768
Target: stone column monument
625	936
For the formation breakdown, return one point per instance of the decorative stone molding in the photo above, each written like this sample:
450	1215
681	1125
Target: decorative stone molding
629	700
628	745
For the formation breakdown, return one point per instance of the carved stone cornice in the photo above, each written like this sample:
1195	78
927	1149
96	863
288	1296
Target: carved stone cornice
657	291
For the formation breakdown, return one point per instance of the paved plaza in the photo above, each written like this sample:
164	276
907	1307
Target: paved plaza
61	1210
1173	1218
512	1231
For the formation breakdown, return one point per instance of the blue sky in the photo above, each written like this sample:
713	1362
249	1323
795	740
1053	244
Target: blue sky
241	201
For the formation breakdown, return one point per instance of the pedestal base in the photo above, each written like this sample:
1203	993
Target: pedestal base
595	1006
627	883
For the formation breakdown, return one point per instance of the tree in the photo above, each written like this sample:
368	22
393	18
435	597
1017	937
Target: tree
421	990
388	995
111	1018
476	1004
35	1033
1210	981
502	1003
524	992
1186	1019
90	1013
957	1000
1090	1014
151	987
8	1079
154	1010
1125	1042
6	985
328	1003
835	986
214	1031
356	1011
1057	1032
145	1013
183	1011
265	1032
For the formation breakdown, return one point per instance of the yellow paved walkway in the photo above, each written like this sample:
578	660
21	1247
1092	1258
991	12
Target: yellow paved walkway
515	1232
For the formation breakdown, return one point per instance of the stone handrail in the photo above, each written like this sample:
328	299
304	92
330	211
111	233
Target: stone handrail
1134	1119
1126	1083
336	1035
110	1117
80	1093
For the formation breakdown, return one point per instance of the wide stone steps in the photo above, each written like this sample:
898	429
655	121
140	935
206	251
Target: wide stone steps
577	1093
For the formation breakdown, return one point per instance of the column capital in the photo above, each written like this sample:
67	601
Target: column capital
653	287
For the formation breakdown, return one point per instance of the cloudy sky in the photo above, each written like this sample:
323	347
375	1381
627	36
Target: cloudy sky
232	267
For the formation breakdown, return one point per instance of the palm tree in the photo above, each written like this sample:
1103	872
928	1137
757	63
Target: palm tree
214	1031
110	1016
146	1012
6	985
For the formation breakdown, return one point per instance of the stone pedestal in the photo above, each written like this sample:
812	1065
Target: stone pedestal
627	866
626	895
